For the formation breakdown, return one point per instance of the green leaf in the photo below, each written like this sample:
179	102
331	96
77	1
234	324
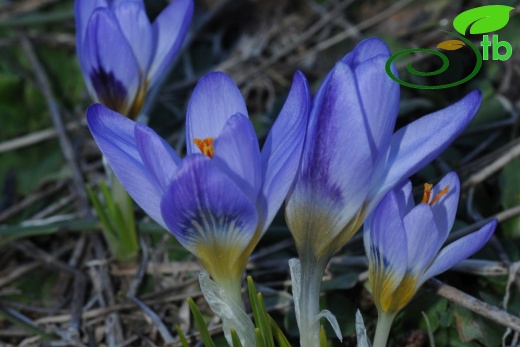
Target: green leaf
260	313
182	337
259	338
323	337
235	339
472	327
483	19
278	334
201	325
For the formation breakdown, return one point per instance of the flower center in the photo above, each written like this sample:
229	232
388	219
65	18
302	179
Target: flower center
205	146
427	193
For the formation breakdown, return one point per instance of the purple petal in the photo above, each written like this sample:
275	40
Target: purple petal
157	156
238	156
115	136
137	29
109	62
388	239
365	50
380	99
282	150
337	153
459	250
422	236
335	169
445	209
204	206
82	11
403	193
417	144
214	100
170	29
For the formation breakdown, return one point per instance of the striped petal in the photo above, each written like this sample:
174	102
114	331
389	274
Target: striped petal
204	207
336	165
388	240
109	63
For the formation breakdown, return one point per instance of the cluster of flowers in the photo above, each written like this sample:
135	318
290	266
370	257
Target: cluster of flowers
333	158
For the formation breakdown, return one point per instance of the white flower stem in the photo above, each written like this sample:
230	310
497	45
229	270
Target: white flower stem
384	323
309	301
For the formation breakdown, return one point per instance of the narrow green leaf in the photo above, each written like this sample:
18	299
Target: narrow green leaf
263	322
235	339
259	338
182	337
323	337
201	325
278	334
483	19
103	218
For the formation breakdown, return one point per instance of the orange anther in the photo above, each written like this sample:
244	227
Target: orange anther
440	195
427	191
205	146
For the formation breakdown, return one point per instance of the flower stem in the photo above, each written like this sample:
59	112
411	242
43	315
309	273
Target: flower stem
309	301
384	323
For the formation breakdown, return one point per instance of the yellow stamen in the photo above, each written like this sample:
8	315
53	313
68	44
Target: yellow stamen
440	195
205	146
427	194
427	191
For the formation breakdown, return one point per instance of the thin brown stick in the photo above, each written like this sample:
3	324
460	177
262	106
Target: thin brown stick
486	310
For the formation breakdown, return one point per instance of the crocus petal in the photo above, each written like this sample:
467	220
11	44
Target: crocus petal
282	150
237	155
459	250
113	77
336	163
82	11
115	136
337	151
379	96
204	206
445	209
388	239
365	50
403	193
137	29
422	236
417	144
214	100
157	156
170	29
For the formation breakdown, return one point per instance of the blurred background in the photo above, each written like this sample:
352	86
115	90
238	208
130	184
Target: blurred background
59	285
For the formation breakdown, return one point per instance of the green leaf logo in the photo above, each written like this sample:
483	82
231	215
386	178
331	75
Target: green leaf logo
483	19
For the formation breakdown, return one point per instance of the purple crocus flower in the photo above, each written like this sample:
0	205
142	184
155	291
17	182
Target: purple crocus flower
352	158
219	200
403	243
121	53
